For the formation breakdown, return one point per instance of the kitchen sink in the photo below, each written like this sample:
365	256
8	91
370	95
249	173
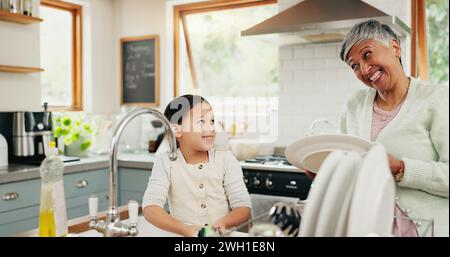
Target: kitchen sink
145	230
148	230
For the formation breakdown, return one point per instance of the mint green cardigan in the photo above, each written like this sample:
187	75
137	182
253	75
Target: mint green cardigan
418	135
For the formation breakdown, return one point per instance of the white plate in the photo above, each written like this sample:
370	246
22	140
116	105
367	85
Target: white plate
373	202
317	193
338	187
309	152
343	215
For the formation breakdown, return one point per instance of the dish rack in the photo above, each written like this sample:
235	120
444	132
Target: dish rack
424	227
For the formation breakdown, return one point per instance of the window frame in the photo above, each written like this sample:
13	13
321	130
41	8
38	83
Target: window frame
419	54
419	48
179	14
77	84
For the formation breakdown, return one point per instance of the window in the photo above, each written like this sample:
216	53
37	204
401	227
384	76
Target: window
437	37
430	40
213	58
237	75
60	36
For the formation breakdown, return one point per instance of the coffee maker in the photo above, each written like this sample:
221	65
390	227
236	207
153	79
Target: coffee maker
31	134
28	135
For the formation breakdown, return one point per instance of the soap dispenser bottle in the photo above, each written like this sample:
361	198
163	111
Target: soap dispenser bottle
53	214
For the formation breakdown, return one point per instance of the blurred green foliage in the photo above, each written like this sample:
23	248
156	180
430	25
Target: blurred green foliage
72	127
227	64
437	16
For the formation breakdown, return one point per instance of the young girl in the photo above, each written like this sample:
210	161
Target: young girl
203	185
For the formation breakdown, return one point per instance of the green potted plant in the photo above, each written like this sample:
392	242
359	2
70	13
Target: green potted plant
74	132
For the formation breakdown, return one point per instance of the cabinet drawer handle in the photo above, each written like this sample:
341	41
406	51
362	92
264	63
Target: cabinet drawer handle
10	196
82	184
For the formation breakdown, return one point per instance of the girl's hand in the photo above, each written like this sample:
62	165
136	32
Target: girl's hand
219	226
310	175
191	230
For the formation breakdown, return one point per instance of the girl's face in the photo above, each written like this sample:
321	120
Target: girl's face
197	130
375	64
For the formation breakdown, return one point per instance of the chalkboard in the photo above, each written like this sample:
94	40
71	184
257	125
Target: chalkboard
140	70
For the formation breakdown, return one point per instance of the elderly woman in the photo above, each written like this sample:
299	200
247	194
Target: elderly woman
409	117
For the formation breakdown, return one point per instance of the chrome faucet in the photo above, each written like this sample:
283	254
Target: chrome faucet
112	226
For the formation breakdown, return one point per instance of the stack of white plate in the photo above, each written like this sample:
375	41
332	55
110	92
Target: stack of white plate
308	153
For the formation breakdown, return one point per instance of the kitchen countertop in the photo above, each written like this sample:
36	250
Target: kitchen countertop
19	172
134	160
145	228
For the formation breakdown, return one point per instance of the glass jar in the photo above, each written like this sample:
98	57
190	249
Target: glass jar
27	7
16	6
5	5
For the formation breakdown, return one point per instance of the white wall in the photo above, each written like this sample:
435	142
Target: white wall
100	95
314	83
19	46
138	18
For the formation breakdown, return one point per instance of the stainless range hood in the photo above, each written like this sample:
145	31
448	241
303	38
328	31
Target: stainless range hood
324	20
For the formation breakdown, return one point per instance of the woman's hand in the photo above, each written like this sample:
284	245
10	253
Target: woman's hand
191	230
394	164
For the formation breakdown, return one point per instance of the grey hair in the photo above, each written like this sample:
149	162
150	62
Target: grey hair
371	29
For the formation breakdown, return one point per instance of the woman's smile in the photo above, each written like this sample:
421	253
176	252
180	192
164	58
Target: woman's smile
376	76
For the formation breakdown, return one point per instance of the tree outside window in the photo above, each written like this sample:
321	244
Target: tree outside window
60	54
437	30
227	64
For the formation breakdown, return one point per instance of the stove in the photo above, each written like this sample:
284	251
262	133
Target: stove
274	175
270	160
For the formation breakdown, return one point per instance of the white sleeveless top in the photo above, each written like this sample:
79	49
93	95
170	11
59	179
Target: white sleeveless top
197	193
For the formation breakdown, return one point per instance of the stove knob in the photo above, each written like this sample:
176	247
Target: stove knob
269	183
246	181
256	182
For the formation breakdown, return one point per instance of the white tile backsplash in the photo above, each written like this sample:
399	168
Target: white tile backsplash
314	82
291	65
326	75
286	77
332	63
326	51
286	54
313	64
303	75
302	52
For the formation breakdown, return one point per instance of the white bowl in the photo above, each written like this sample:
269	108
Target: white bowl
244	149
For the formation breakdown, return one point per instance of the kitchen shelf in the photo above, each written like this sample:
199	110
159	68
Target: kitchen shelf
19	69
18	18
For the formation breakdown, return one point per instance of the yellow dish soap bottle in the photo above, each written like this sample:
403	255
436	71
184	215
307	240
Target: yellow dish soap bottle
53	214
